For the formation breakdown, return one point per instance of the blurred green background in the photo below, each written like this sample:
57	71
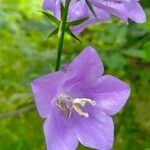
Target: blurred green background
26	55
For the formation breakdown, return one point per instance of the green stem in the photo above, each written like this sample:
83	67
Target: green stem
62	34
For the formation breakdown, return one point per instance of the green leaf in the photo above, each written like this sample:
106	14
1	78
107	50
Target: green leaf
137	53
72	35
51	17
77	22
54	32
91	8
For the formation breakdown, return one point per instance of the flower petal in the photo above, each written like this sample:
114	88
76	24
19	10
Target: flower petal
97	133
112	7
135	12
60	133
101	16
77	10
122	9
111	94
49	5
44	89
86	67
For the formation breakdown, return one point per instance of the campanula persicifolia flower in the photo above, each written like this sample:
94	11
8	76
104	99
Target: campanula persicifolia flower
78	102
78	9
124	9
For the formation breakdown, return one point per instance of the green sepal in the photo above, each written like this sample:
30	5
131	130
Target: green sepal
62	8
54	32
77	22
72	35
51	17
91	8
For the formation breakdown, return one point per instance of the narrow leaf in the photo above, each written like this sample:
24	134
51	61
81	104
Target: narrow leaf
54	32
72	35
51	17
91	8
77	22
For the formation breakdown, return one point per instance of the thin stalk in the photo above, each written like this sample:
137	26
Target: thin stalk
62	34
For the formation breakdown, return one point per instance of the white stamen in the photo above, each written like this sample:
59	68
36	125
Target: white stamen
82	102
79	111
67	105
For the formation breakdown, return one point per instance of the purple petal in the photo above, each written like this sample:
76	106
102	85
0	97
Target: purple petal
44	89
85	67
136	12
97	133
113	7
101	16
122	9
60	133
77	10
49	5
111	94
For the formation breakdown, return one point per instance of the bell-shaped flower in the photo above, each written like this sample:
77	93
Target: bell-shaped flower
78	103
97	11
124	9
78	9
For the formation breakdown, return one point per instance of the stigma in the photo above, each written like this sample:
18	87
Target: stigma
67	105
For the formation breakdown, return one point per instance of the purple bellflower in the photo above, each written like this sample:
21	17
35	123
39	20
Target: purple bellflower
77	10
78	103
124	9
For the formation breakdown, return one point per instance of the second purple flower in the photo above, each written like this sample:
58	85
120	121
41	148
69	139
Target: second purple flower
123	9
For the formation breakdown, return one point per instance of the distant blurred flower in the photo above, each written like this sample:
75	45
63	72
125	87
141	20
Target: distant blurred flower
78	103
124	9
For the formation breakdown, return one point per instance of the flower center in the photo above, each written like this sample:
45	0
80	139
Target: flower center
67	104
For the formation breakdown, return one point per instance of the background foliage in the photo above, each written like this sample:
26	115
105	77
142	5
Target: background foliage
26	55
